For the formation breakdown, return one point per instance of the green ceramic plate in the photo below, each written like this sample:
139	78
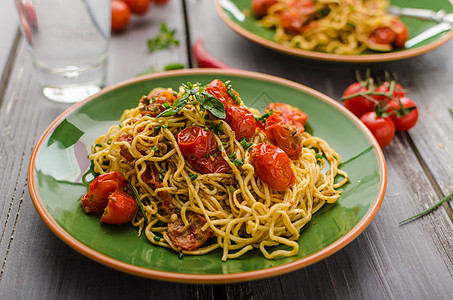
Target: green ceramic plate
248	28
60	159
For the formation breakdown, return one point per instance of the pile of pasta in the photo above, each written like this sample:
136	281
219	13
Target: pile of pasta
240	210
334	26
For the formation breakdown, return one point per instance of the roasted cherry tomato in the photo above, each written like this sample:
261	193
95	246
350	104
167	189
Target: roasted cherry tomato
283	135
402	33
201	150
260	7
154	104
396	34
295	17
398	91
219	90
138	7
241	120
290	114
96	199
357	105
273	166
405	116
383	129
121	15
190	236
121	208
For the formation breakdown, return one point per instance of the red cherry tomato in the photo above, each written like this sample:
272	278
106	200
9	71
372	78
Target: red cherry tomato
383	129
357	105
153	105
296	15
260	7
96	199
403	118
402	33
273	166
188	237
138	7
201	150
121	15
283	135
383	35
398	92
219	90
396	34
241	121
290	114
121	208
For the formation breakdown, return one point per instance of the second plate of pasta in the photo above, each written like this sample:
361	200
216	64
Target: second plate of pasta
345	31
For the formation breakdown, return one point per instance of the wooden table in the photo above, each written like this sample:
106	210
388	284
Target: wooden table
386	261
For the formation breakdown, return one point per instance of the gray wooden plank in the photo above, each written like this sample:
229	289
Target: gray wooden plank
9	21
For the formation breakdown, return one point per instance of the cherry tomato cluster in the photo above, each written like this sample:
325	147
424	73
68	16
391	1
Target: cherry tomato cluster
384	108
123	9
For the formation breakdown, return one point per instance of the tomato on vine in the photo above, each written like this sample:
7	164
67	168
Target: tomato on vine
381	127
405	113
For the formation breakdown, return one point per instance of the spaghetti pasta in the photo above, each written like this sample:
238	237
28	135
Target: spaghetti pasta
194	211
334	26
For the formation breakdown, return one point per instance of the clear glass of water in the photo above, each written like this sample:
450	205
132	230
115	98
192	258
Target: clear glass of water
69	42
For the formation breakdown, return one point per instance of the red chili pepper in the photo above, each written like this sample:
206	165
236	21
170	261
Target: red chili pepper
204	59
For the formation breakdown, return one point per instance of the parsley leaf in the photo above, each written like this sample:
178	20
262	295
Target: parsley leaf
163	40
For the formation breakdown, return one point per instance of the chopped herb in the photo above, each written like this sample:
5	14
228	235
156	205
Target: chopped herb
232	93
161	174
98	145
217	128
109	141
156	238
211	188
164	126
318	156
192	176
207	155
155	148
120	125
180	255
163	40
157	128
214	155
166	105
237	162
244	143
264	117
232	155
231	189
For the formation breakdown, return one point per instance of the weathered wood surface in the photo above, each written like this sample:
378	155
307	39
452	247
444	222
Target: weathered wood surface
387	261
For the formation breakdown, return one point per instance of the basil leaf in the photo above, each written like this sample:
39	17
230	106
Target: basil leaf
213	105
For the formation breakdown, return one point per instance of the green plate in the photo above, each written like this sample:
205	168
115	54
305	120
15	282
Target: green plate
60	158
248	28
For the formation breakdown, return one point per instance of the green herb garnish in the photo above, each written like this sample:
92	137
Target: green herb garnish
264	117
163	40
138	200
192	176
428	210
195	95
237	162
244	143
